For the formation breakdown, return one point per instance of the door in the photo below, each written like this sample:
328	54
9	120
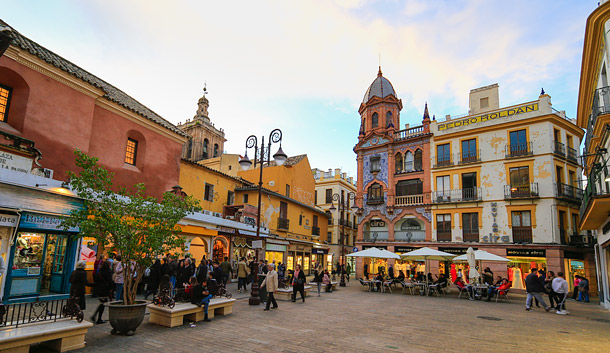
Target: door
469	186
56	256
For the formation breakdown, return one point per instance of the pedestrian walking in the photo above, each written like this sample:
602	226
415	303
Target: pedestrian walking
560	287
117	277
318	277
270	284
583	290
548	287
534	286
576	283
349	271
298	283
78	282
103	287
227	270
242	274
154	278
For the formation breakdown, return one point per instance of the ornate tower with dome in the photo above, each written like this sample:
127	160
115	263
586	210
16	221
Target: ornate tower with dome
206	141
393	177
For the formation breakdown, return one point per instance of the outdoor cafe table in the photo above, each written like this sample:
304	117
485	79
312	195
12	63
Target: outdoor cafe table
478	289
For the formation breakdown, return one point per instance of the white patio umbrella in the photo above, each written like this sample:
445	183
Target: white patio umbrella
375	253
482	255
427	254
473	274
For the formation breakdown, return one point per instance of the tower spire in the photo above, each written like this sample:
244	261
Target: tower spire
426	114
379	74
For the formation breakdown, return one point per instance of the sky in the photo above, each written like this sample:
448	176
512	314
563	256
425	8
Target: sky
304	66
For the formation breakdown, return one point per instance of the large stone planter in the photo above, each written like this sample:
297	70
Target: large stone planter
125	319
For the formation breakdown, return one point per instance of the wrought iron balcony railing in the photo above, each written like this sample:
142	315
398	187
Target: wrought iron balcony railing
443	161
522	234
375	200
469	157
601	105
521	191
410	235
572	154
283	223
375	235
315	231
470	235
559	148
569	192
457	195
443	235
519	150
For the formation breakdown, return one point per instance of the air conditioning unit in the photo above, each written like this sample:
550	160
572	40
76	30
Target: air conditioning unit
216	214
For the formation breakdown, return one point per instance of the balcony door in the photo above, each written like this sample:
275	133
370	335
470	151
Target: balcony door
469	186
443	188
518	143
519	181
522	226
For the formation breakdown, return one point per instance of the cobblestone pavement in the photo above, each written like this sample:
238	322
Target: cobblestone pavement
351	320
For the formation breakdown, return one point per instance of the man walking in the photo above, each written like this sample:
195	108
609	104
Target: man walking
560	287
270	284
242	274
534	286
227	270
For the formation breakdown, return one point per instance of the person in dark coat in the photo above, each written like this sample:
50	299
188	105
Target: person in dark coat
298	283
534	287
154	279
103	287
78	282
202	271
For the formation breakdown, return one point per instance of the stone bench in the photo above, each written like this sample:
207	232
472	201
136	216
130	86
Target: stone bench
286	293
315	285
62	335
164	316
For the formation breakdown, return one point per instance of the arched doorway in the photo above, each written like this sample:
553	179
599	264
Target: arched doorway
198	249
220	250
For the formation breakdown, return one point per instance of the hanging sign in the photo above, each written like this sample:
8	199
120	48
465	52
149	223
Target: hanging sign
8	220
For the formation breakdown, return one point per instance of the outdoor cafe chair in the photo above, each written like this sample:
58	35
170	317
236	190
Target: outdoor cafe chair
434	288
365	285
463	290
408	286
502	294
388	285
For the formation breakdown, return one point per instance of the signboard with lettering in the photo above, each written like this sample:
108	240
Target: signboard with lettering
489	116
42	222
404	249
526	252
8	220
374	246
15	163
377	223
257	244
319	251
455	251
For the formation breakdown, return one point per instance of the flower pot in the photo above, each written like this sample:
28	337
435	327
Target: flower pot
125	319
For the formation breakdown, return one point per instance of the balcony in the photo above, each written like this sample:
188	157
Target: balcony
443	161
582	240
521	191
469	157
457	195
519	150
375	200
559	148
409	133
282	223
345	223
572	155
410	235
522	235
443	235
569	192
601	105
470	235
315	231
409	200
375	235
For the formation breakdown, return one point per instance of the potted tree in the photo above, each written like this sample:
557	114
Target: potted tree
138	227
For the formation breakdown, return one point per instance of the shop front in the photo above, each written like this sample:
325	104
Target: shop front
374	266
409	267
8	227
41	258
299	255
319	256
451	269
275	253
574	264
242	247
197	240
521	263
220	248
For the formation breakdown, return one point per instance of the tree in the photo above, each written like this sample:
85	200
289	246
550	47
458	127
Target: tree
136	226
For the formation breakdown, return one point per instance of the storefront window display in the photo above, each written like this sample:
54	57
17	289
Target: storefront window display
575	266
88	252
274	257
290	262
329	263
520	267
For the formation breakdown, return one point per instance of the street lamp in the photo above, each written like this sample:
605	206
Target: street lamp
259	157
341	203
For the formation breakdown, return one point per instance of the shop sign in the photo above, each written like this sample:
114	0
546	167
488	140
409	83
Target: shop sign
226	230
257	244
455	251
490	116
574	255
377	223
15	163
275	247
404	249
8	220
42	222
526	252
319	251
374	246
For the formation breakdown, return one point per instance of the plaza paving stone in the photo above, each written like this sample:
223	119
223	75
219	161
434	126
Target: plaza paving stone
351	320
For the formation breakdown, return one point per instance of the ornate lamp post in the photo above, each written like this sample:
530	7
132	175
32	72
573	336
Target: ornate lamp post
342	209
259	157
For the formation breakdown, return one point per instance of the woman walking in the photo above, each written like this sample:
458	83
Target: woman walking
298	283
78	281
103	286
318	277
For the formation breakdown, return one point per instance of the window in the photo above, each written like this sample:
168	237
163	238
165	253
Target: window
230	197
215	150
329	195
329	237
409	162
300	219
398	162
409	187
522	226
315	221
209	192
245	198
470	226
484	102
519	176
469	186
375	120
131	152
205	148
287	190
469	151
375	193
330	218
315	197
418	160
518	143
5	100
443	188
375	164
443	227
283	209
575	223
388	118
443	154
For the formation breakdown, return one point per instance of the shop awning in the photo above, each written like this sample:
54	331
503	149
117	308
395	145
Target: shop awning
197	230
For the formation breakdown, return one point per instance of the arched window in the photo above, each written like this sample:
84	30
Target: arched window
418	160
215	150
388	118
398	162
409	162
375	120
375	194
205	148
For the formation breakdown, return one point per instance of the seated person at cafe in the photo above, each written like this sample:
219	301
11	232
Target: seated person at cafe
499	281
391	272
419	277
379	281
488	276
461	285
430	279
401	275
211	284
442	280
492	290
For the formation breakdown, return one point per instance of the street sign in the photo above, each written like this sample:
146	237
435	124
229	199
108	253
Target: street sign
355	249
